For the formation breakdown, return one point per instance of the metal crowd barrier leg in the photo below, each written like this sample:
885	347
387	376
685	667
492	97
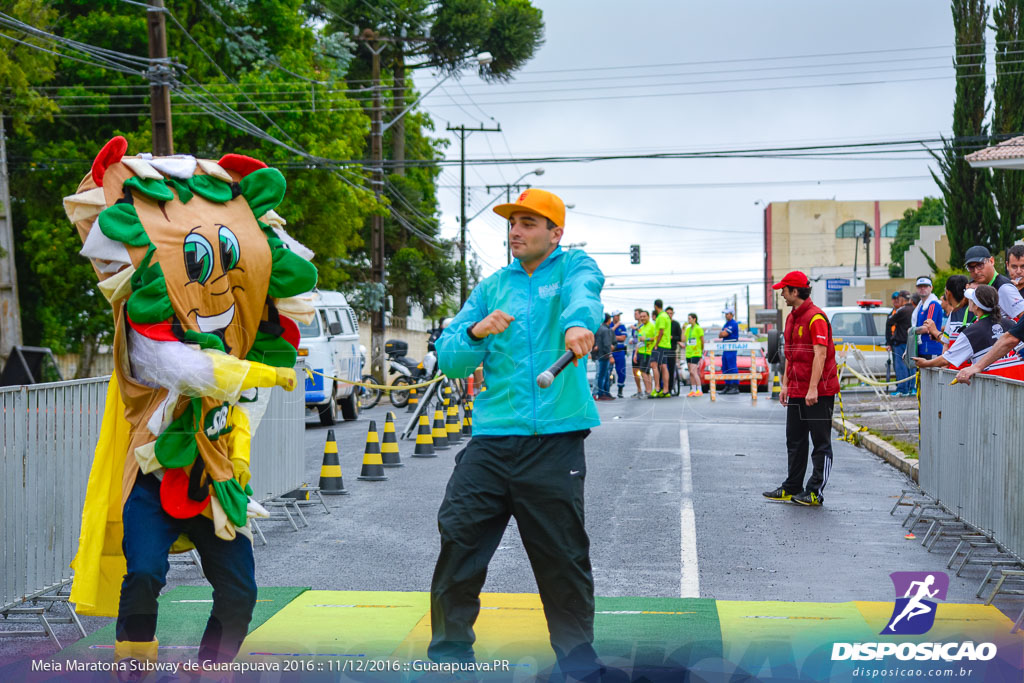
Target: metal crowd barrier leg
966	538
259	532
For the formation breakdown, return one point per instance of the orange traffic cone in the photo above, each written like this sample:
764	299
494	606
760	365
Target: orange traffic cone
373	467
389	445
424	440
452	423
331	482
440	432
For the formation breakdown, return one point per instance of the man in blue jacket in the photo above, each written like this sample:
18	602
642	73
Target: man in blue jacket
526	458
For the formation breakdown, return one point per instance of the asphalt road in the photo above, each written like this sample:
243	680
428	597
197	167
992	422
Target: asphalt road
674	508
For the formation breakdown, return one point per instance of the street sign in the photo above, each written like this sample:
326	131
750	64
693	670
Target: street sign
836	284
732	346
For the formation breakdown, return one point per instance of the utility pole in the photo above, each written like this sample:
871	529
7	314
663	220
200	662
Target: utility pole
10	311
159	79
508	200
867	250
377	221
463	134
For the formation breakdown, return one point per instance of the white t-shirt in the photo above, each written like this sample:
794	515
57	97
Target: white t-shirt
975	340
1010	301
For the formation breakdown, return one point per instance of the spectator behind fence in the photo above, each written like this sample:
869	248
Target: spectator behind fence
929	309
957	312
979	263
604	344
1015	266
974	340
896	327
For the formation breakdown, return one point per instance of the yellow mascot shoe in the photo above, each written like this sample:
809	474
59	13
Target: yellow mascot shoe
133	653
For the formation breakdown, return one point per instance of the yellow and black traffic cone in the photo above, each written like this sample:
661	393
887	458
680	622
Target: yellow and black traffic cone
776	385
389	444
331	482
373	467
424	440
452	423
467	418
414	401
440	432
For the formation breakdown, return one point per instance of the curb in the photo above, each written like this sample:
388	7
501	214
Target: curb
879	447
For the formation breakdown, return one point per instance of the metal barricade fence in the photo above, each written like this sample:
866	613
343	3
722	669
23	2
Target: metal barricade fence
48	434
277	461
971	457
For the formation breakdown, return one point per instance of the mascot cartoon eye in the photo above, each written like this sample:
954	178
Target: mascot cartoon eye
229	250
198	258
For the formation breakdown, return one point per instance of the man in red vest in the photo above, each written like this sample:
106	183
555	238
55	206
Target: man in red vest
809	388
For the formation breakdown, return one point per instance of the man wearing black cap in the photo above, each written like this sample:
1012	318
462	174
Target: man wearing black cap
809	388
979	263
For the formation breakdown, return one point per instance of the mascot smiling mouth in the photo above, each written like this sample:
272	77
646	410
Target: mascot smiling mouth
211	323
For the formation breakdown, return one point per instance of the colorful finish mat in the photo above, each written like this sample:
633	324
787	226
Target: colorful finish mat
180	623
332	632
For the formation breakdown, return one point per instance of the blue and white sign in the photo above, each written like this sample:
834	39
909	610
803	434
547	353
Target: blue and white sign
836	284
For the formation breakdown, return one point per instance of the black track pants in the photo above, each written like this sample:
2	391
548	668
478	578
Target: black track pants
539	481
803	421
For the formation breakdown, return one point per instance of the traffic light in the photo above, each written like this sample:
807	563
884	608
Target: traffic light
634	254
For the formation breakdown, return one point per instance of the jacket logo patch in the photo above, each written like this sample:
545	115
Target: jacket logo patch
547	291
799	331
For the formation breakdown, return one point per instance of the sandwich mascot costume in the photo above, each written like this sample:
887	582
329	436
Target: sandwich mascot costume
204	285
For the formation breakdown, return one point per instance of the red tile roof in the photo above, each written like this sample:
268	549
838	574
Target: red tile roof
1004	151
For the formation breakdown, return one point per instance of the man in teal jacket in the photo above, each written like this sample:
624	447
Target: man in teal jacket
526	458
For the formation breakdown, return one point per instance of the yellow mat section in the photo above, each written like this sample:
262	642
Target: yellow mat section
511	626
771	636
980	622
339	623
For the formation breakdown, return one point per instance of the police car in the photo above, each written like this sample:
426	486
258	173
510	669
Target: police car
862	326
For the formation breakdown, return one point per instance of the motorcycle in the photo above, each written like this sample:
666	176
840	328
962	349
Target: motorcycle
407	369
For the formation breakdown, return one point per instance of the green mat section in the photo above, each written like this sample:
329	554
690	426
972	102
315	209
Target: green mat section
180	623
657	631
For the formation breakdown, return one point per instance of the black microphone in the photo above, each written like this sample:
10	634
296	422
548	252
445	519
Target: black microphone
545	378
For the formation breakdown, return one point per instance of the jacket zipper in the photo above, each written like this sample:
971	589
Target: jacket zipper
529	336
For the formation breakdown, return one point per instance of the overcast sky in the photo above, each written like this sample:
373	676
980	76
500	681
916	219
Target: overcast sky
893	60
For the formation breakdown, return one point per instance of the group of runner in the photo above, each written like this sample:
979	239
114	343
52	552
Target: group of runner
655	343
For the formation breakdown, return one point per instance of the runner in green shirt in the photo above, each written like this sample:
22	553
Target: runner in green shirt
662	345
693	340
647	334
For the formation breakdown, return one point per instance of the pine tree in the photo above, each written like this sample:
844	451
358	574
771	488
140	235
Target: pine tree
970	211
1008	118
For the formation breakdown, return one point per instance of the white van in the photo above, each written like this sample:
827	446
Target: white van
329	344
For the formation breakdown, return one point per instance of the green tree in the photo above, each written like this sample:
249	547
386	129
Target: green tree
909	230
970	211
1007	119
280	62
437	35
22	67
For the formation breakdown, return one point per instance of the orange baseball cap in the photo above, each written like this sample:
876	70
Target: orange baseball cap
540	202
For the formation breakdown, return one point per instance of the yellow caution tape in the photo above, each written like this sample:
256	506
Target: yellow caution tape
868	380
369	385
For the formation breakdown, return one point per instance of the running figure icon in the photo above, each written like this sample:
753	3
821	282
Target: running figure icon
915	606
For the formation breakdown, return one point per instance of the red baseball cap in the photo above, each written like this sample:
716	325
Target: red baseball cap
793	278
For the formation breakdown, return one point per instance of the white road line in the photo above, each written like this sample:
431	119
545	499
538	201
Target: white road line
689	577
